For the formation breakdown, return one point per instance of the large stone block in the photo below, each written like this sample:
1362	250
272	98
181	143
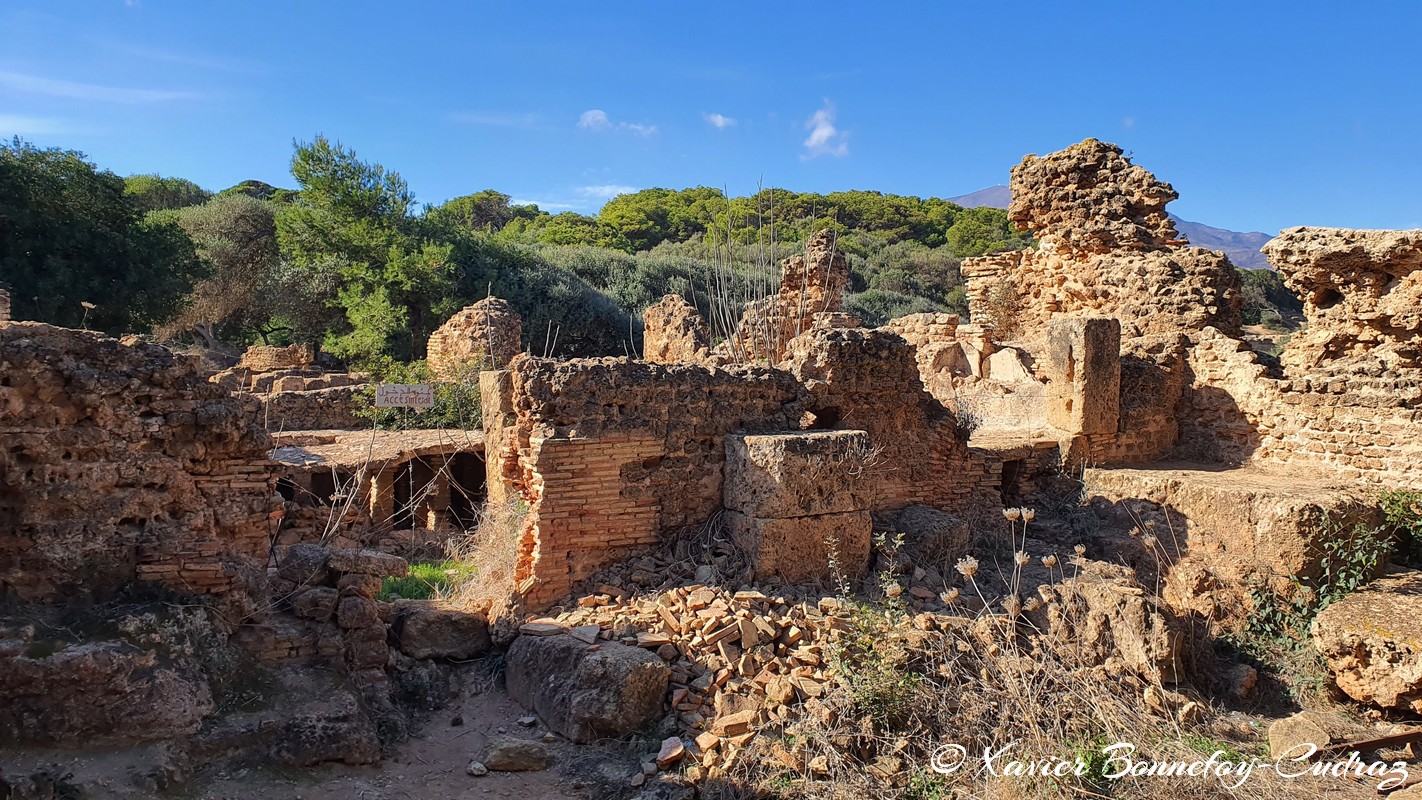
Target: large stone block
1372	640
798	474
422	630
1084	374
587	692
821	548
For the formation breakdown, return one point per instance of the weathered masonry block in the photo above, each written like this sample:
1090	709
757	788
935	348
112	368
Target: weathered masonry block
1084	371
4	306
798	502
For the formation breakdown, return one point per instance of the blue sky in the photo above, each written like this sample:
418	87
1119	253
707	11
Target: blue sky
1262	115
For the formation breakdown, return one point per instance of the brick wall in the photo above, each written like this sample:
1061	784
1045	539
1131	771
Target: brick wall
610	454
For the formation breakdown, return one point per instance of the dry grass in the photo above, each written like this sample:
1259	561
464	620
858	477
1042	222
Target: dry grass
491	549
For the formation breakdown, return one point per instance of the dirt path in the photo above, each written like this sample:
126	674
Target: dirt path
430	765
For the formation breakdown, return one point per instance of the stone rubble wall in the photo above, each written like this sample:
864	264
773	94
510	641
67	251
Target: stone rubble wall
4	306
674	332
1107	248
1362	294
812	283
1361	427
121	463
264	358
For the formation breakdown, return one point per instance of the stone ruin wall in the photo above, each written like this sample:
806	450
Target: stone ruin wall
4	306
1349	395
284	389
1107	248
121	463
811	295
673	332
612	455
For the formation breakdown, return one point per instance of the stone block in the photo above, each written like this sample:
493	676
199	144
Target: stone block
802	549
1372	641
587	692
1006	365
369	562
1084	374
422	630
798	474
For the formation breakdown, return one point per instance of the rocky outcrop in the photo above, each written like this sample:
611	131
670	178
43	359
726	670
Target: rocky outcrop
1372	641
586	692
486	335
1362	293
674	332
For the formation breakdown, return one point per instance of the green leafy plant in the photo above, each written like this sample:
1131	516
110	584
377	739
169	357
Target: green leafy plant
426	581
1402	517
457	402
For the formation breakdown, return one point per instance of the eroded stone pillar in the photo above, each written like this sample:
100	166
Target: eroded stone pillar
1084	374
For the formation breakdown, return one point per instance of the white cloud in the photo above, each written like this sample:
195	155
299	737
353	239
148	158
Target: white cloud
719	121
594	120
20	125
825	139
606	191
88	91
597	120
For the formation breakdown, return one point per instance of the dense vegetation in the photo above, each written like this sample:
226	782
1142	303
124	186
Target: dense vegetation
348	260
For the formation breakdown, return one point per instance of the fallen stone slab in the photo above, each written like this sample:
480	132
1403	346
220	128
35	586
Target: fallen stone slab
423	630
369	562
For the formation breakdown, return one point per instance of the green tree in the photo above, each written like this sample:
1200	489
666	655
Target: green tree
70	235
353	218
236	235
157	193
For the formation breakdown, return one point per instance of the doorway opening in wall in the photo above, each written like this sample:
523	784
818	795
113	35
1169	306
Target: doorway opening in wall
1012	480
466	489
323	486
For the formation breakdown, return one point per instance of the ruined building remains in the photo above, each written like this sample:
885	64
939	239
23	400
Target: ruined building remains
485	335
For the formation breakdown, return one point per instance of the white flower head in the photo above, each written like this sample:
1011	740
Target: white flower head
967	566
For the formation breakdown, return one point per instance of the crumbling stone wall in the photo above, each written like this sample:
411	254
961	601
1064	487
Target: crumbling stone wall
264	358
4	306
485	335
673	332
1362	294
1348	395
121	463
610	454
1107	248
